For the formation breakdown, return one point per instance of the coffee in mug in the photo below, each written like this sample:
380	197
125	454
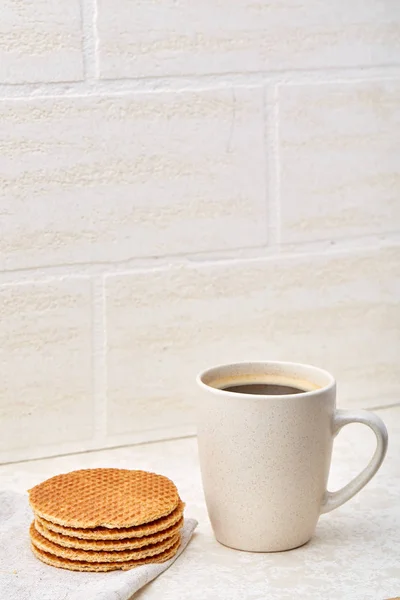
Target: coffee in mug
265	436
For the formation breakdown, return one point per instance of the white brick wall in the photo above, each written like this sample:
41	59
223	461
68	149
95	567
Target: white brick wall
40	41
190	183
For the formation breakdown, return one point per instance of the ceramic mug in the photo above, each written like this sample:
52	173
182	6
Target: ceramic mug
265	436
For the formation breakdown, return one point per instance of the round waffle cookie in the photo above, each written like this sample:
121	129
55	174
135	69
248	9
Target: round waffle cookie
105	533
121	544
104	497
100	556
75	565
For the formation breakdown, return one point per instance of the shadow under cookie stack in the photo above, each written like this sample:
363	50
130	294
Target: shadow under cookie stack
105	519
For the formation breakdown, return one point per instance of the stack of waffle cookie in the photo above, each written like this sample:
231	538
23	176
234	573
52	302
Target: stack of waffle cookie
105	519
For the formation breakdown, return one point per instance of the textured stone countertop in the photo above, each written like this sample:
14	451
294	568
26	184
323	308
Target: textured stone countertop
355	553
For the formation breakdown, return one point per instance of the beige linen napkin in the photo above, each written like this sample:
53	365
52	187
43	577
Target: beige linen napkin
24	577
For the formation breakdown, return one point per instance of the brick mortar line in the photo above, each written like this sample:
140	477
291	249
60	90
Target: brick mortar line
97	270
99	87
89	40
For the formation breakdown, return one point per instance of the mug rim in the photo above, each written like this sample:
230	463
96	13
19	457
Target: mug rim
329	386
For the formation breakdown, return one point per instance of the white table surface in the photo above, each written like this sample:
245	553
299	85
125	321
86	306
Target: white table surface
355	553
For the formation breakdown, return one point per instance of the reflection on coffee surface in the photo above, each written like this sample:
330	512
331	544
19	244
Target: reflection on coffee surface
265	389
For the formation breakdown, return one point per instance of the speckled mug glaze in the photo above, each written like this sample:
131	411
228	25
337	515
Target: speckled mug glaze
265	459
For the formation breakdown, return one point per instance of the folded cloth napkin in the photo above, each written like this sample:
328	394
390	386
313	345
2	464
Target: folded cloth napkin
24	577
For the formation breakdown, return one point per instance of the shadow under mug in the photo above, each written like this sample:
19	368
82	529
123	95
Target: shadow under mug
265	435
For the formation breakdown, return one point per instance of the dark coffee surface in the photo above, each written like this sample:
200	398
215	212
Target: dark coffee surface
264	389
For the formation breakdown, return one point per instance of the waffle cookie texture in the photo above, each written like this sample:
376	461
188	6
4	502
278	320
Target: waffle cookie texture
75	565
117	544
104	497
105	533
105	519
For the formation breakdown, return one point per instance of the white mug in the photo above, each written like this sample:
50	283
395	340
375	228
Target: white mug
265	435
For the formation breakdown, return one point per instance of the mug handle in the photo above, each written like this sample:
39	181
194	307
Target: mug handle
344	417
